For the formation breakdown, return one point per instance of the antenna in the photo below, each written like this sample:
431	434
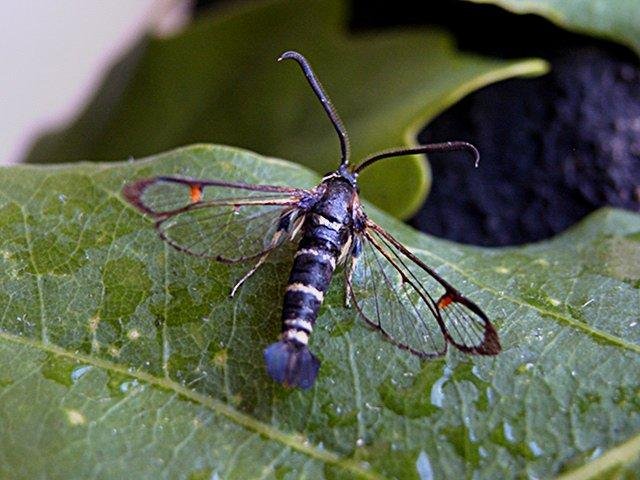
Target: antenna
429	148
326	103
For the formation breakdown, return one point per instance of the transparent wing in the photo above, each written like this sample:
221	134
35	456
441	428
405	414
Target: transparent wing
226	221
412	305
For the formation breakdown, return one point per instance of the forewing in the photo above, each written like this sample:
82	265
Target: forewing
408	302
226	221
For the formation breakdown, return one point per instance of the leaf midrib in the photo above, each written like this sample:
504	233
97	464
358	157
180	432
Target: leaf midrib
296	441
623	454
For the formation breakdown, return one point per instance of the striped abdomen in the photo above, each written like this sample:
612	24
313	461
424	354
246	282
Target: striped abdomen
322	242
326	232
309	280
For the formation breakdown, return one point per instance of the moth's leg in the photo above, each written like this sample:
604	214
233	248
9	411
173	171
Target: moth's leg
356	249
246	276
347	296
261	260
291	222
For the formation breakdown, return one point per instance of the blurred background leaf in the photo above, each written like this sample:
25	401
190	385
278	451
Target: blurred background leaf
123	358
218	81
616	20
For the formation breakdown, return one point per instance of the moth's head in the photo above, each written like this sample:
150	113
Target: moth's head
342	173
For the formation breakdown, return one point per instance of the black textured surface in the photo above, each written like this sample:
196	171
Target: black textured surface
553	149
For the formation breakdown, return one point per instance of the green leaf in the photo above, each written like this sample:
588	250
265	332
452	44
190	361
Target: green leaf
616	20
124	358
218	81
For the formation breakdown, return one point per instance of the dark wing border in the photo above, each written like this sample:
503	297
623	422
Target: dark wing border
378	325
451	301
133	192
290	199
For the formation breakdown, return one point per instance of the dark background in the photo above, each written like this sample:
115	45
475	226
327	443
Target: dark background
553	148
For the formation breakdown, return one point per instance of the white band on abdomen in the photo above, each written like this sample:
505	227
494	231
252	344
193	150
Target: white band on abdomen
299	336
325	222
300	324
300	287
317	253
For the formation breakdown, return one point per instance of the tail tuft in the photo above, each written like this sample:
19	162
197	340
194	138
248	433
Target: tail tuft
291	364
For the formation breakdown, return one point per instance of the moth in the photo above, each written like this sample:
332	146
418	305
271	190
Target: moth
392	289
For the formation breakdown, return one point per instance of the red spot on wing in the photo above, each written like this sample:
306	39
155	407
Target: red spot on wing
445	301
196	193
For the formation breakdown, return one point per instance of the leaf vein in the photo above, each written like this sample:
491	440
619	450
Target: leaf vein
623	454
44	335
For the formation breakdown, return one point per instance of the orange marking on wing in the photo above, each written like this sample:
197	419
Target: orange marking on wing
445	301
196	193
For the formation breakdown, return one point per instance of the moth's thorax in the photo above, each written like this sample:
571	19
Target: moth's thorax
337	201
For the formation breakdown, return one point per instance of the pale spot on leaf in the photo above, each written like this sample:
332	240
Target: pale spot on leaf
75	417
133	334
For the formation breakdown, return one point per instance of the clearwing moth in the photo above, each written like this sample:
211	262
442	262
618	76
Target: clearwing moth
393	290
